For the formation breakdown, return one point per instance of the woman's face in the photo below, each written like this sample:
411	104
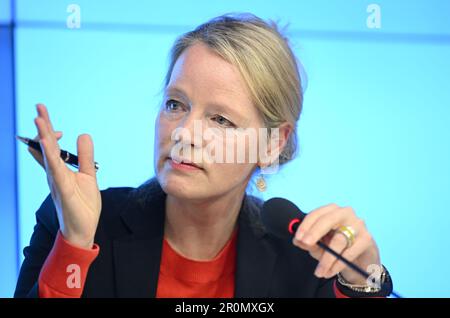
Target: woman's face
205	112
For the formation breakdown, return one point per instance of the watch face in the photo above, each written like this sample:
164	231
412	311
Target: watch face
373	287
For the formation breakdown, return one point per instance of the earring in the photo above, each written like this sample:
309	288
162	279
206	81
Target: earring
261	183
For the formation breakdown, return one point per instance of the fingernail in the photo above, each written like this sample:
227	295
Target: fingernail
319	271
299	235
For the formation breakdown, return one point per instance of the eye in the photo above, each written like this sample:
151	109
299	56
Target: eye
223	121
173	105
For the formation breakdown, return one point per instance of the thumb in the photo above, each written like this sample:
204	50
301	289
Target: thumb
85	148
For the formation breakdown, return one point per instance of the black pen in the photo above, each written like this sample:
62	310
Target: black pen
66	156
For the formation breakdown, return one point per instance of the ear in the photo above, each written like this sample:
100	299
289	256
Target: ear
275	144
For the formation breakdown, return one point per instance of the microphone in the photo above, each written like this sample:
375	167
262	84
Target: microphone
281	218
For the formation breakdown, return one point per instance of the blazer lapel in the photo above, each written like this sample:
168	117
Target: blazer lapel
256	257
137	257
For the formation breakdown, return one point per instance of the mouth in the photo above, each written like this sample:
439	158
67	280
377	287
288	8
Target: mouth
183	164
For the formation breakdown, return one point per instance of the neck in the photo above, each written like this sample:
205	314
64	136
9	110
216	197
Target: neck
199	230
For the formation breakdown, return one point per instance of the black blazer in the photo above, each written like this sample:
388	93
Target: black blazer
130	235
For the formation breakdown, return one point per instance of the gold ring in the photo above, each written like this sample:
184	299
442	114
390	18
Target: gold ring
349	234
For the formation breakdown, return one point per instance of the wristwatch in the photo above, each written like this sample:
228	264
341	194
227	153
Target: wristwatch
384	288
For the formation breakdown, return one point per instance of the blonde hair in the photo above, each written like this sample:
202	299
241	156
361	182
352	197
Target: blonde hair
265	60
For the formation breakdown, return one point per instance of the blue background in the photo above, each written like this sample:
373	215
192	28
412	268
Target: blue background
374	133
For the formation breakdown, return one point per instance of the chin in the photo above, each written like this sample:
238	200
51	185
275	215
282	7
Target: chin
182	187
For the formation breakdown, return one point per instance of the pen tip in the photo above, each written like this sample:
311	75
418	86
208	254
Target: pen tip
22	139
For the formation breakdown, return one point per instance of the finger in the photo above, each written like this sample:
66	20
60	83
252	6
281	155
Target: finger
52	161
315	251
338	243
326	223
58	135
352	253
43	112
317	254
38	155
311	218
85	148
46	133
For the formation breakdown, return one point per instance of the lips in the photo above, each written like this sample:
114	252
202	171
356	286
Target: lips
184	162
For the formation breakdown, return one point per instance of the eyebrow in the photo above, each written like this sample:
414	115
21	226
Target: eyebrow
225	109
174	89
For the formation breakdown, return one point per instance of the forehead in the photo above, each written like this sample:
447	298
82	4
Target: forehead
204	75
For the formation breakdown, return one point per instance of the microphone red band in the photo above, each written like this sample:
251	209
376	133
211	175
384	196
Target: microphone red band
291	225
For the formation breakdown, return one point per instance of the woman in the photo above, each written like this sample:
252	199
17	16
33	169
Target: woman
193	231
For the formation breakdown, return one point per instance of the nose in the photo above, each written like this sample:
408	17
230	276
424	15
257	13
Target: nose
190	130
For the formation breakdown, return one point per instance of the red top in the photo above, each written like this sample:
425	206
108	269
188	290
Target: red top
182	277
64	272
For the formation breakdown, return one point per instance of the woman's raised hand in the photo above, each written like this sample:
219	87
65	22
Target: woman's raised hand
75	194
